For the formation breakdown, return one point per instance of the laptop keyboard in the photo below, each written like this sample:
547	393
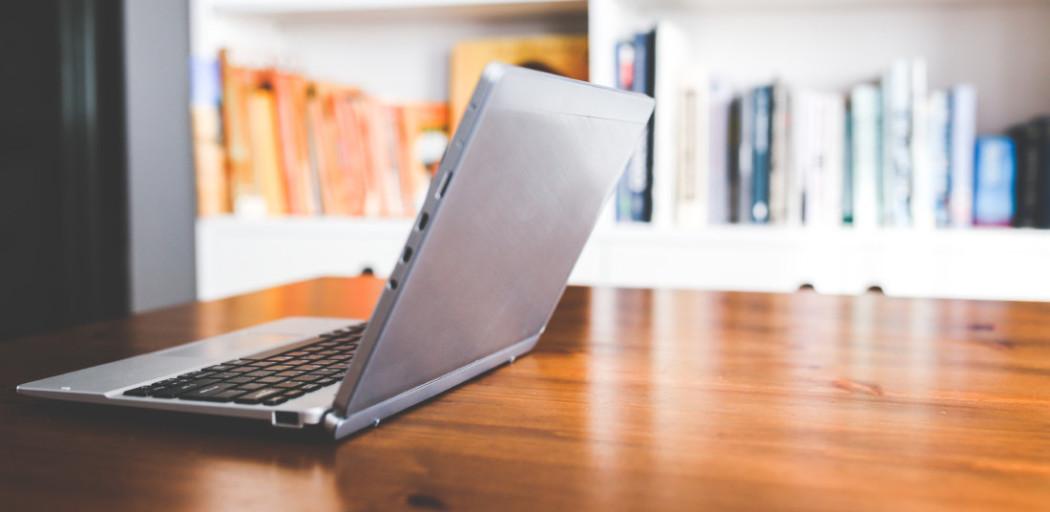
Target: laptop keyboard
270	379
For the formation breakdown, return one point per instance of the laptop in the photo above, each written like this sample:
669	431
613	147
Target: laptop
516	197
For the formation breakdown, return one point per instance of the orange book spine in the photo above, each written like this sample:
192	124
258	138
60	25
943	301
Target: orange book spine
266	161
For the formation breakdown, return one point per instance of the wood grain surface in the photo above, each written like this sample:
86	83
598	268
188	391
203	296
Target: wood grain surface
633	399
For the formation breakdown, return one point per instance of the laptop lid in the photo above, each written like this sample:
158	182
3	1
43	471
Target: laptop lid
506	217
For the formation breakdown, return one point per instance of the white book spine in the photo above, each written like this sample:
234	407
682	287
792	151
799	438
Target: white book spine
897	137
866	154
923	189
719	98
691	189
833	156
963	132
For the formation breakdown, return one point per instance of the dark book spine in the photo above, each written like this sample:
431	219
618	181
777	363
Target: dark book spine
1026	186
761	144
733	160
1042	143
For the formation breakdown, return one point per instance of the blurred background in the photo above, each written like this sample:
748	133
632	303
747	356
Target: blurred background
158	152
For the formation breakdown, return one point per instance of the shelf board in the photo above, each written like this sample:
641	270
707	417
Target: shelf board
641	233
469	7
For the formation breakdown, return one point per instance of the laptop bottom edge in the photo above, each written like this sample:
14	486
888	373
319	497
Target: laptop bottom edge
371	416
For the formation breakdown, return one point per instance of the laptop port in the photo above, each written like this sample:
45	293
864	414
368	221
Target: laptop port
287	419
406	255
445	180
392	284
423	219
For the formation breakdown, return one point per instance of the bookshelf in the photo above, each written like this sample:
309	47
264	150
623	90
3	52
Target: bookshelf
818	43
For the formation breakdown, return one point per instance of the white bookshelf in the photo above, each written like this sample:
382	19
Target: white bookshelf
236	255
399	49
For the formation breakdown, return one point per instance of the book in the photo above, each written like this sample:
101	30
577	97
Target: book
691	192
779	157
921	211
262	136
423	138
865	154
745	156
963	130
213	194
666	47
237	82
930	207
289	92
995	167
1041	138
733	150
761	145
564	55
634	193
1025	138
897	145
719	153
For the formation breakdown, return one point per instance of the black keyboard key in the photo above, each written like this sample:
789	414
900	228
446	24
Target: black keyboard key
252	386
307	378
227	395
310	388
294	393
140	391
288	384
242	369
328	381
259	373
205	393
223	375
275	400
309	367
271	380
240	380
289	374
260	364
280	359
240	362
219	368
279	368
257	396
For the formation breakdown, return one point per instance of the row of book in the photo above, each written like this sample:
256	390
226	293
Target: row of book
272	142
889	152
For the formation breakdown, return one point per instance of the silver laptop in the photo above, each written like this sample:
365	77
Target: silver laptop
517	195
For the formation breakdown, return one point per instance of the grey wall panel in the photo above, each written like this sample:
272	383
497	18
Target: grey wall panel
161	189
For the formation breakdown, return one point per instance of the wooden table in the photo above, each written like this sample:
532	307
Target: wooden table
634	399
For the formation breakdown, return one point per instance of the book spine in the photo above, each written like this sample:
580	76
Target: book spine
718	151
1026	186
934	196
865	154
762	99
919	201
645	82
733	149
1042	141
994	199
831	177
897	154
963	129
779	160
745	159
625	77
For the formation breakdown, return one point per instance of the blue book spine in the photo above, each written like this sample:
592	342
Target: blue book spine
995	174
761	163
644	82
625	75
